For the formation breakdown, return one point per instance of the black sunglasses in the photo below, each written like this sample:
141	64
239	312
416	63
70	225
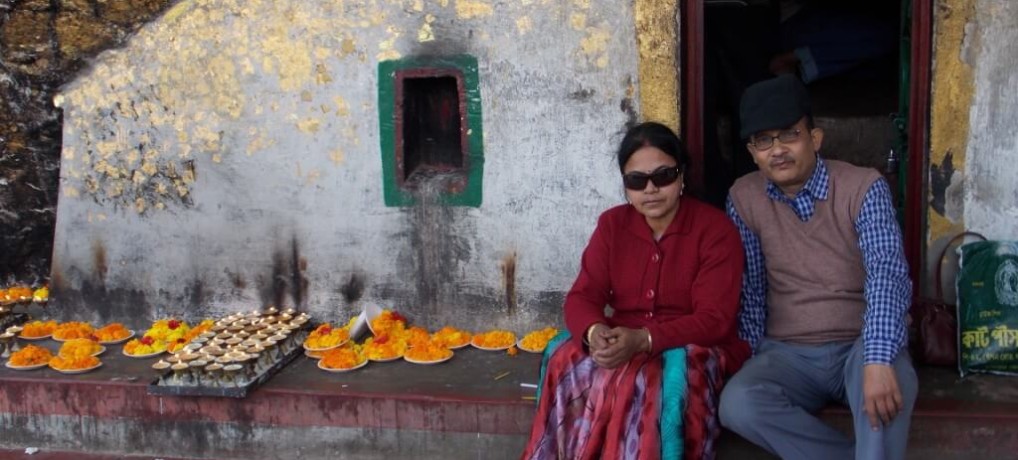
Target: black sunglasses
660	178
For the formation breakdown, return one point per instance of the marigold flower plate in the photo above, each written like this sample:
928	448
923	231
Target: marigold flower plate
434	361
77	371
494	340
41	337
121	340
313	354
491	348
355	367
148	355
528	350
307	348
25	368
102	350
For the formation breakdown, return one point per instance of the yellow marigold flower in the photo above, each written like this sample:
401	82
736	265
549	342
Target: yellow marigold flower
325	336
41	294
78	348
384	348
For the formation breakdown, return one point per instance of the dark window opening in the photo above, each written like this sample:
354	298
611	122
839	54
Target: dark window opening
432	141
431	124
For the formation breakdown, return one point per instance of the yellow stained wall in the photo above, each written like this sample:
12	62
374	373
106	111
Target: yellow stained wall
952	93
657	42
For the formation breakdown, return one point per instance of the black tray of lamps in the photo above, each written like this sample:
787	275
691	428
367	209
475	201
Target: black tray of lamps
239	353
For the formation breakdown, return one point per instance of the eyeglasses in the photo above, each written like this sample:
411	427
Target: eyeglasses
764	142
660	178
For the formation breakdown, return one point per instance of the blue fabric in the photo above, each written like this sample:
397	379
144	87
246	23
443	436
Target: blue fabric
888	288
673	395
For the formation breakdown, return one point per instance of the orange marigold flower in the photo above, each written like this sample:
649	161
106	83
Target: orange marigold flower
73	330
69	363
494	339
428	351
78	348
112	332
512	351
388	321
31	355
343	358
452	337
38	328
18	293
537	341
417	336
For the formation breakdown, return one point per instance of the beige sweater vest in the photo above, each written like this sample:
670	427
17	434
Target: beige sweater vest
815	271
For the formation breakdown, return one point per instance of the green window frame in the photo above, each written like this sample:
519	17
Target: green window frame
462	181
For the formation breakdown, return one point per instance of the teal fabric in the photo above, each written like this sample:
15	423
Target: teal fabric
673	394
559	338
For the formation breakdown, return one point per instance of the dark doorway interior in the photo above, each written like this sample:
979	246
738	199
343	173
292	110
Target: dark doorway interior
848	53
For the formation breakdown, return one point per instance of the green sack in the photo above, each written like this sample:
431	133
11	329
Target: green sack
988	308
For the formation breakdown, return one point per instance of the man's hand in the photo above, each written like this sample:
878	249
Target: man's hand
881	396
622	344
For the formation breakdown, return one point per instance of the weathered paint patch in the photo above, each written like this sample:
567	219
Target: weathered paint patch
952	90
524	25
657	41
471	9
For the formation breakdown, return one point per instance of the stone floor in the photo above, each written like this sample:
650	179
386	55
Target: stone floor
470	407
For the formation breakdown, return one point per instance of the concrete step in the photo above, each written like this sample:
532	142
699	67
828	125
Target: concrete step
459	409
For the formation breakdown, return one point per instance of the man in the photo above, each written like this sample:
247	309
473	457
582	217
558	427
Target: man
824	294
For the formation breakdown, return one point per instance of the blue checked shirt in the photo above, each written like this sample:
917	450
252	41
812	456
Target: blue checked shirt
887	288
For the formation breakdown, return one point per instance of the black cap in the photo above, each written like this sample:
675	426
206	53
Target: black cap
773	104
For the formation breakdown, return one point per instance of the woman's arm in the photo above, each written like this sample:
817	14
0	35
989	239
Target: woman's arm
585	302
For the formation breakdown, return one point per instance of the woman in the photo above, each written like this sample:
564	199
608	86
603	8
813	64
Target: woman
670	267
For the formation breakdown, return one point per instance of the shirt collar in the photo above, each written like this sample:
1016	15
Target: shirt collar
816	186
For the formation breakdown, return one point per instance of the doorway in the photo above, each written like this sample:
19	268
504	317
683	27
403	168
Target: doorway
866	64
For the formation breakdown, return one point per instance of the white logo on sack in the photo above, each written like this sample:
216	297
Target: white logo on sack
1007	283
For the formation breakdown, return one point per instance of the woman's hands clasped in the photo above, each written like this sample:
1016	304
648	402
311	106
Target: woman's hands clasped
612	347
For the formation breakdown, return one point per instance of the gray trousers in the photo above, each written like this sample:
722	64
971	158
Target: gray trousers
772	399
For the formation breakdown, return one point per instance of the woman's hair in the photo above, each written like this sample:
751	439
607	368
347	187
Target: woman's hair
651	134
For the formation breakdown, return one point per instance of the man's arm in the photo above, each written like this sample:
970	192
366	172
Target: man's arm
888	289
753	315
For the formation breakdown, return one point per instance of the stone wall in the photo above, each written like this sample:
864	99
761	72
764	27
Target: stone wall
44	44
231	156
991	191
